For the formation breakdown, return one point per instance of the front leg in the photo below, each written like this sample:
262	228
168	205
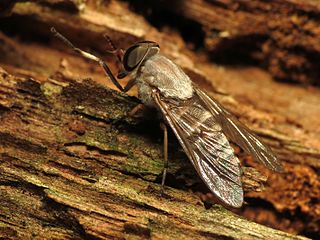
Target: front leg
94	58
129	85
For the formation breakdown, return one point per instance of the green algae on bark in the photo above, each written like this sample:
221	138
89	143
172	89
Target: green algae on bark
92	178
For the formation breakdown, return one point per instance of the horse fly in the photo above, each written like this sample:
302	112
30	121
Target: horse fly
200	123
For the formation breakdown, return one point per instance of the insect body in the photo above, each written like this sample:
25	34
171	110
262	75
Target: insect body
198	121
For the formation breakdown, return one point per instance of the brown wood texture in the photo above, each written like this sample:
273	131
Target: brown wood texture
282	36
74	165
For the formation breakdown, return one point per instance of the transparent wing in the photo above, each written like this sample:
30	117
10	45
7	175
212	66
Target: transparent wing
240	134
206	146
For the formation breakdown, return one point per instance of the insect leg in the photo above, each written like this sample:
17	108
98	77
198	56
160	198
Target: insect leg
136	109
89	56
129	85
165	150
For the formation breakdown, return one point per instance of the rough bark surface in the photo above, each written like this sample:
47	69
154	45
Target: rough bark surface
282	36
68	171
74	165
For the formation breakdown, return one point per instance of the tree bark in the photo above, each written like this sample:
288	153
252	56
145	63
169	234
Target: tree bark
282	36
74	164
69	171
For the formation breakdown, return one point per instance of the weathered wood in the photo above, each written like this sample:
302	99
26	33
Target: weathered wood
283	36
71	141
69	171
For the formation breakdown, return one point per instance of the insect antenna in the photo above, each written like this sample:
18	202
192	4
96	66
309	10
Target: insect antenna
111	44
118	53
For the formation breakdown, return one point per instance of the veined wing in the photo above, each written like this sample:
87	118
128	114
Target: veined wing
206	146
240	134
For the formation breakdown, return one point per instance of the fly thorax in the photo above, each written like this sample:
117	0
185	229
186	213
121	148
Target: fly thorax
161	73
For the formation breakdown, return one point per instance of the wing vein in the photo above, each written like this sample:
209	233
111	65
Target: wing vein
205	145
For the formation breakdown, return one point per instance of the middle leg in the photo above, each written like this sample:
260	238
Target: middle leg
165	153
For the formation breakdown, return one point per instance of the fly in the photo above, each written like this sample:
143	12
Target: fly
199	122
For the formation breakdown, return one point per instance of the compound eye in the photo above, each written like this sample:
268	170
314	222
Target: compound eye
135	54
